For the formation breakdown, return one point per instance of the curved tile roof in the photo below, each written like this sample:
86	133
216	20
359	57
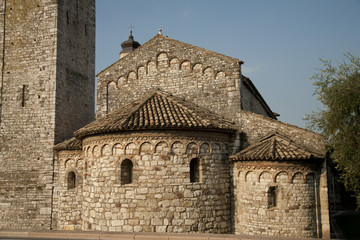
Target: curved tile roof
70	144
157	111
275	147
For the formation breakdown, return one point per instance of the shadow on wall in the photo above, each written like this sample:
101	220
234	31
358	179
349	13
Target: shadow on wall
244	143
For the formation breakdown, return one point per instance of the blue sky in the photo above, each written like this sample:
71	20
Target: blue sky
280	41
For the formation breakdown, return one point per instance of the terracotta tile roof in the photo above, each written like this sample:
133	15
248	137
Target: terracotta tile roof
275	147
157	110
70	144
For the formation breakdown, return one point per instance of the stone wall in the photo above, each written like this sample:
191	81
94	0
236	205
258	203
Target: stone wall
277	198
255	127
27	116
2	42
200	76
214	81
69	198
251	100
161	197
75	86
33	94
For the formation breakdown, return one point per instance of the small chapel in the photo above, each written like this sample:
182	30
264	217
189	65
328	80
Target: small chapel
184	142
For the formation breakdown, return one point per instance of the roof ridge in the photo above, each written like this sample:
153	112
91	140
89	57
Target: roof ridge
263	151
145	99
162	108
275	134
273	145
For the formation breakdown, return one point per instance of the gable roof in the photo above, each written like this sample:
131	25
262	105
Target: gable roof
275	147
183	44
157	110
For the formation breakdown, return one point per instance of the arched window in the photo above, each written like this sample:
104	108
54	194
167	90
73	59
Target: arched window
126	172
272	197
71	180
194	170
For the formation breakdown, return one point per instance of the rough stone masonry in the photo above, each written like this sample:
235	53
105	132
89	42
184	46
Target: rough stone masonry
182	141
47	92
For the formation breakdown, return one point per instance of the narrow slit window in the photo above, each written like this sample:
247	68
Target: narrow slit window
23	97
272	197
67	17
194	170
126	172
71	180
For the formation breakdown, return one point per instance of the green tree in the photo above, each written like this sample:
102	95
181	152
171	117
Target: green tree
338	89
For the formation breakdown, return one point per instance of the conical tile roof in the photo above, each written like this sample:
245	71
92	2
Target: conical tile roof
70	144
275	147
158	110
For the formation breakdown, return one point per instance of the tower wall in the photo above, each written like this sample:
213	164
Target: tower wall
75	74
36	48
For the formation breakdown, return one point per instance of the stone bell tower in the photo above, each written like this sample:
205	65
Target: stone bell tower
47	57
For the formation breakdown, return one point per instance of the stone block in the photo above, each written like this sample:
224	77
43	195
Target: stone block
116	223
157	222
69	227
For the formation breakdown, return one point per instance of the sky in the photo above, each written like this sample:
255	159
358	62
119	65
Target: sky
280	41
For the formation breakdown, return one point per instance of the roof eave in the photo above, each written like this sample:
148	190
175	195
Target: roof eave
311	158
81	136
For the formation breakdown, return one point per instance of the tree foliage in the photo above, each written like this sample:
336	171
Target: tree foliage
338	89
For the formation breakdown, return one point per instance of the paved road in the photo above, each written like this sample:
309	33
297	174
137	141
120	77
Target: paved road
7	238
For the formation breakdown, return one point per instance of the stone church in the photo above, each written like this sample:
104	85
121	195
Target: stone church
182	141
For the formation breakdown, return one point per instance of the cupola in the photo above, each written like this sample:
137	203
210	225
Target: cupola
128	46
